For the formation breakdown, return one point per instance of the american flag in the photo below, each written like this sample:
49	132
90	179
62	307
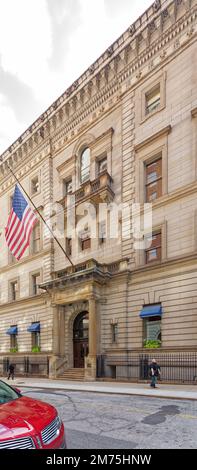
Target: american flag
20	224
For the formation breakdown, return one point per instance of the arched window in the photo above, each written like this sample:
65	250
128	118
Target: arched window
85	165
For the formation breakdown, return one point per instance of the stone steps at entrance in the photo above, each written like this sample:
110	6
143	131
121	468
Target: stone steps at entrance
73	374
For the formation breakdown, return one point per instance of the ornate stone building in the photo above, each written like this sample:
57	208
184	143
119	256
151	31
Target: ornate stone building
125	132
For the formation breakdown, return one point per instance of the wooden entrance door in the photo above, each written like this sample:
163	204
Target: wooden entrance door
80	339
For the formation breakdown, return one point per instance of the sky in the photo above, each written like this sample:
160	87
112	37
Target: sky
45	45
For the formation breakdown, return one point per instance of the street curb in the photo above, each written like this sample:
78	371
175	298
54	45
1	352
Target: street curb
149	395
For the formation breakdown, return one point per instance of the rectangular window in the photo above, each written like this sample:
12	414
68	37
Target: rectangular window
102	232
85	244
36	238
152	329
153	178
153	250
153	99
114	332
35	283
35	186
69	246
67	187
14	290
13	341
102	165
35	340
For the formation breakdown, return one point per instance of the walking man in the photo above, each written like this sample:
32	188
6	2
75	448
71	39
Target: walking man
155	372
11	371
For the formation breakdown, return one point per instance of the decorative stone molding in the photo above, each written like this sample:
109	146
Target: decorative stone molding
58	122
156	5
164	131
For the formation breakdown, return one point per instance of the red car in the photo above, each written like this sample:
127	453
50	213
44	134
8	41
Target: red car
26	423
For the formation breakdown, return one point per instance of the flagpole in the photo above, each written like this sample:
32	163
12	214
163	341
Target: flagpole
40	215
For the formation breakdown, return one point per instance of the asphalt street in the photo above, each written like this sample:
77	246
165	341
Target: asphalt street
104	421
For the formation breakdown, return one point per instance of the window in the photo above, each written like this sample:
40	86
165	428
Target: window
102	232
85	244
35	340
14	290
152	328
114	332
152	100
69	246
153	180
67	187
102	165
85	239
35	185
153	250
13	341
34	329
85	165
35	283
36	238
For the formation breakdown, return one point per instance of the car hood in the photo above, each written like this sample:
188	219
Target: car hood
24	416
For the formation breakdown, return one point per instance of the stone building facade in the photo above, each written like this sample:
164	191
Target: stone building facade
124	133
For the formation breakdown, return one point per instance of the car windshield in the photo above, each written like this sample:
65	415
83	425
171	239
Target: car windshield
7	393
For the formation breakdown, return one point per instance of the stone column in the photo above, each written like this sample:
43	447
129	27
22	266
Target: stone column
56	339
58	360
90	362
61	331
55	343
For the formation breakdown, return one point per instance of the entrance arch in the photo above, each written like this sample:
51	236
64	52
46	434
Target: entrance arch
80	339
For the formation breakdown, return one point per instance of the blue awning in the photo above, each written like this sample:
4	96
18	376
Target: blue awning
34	327
12	330
151	311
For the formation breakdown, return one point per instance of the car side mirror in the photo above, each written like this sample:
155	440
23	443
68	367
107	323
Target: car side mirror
17	390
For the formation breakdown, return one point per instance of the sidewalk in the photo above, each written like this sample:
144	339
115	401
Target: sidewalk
179	392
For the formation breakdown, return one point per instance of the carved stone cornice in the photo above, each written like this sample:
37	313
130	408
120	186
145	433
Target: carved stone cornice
32	161
105	78
165	131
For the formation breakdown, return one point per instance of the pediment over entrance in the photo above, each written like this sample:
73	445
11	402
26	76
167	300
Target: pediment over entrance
75	295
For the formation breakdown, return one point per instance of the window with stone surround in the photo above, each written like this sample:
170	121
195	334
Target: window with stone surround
153	247
35	339
152	100
153	97
152	167
114	332
152	328
13	289
67	186
35	185
35	281
102	165
102	231
13	340
85	244
85	239
153	179
35	245
85	165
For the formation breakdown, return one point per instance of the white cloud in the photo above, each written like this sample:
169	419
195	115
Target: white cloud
29	41
9	126
26	40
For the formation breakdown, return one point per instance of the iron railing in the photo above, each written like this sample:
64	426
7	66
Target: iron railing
175	367
25	365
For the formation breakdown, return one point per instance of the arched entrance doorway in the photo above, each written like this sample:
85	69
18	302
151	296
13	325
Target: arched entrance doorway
80	339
